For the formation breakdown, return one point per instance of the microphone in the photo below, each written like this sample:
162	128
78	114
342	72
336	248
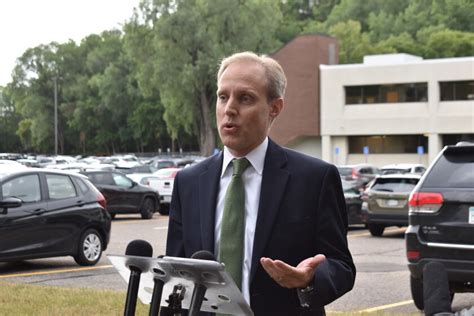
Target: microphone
436	294
156	296
140	248
199	289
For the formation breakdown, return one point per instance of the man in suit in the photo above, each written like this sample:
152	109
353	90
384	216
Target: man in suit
295	257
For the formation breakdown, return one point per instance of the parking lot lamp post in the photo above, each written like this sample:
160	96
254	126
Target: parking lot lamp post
55	79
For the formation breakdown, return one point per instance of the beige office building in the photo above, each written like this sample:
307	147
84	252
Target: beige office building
395	108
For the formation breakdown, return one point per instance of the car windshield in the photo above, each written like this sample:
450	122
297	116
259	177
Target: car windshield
394	184
344	171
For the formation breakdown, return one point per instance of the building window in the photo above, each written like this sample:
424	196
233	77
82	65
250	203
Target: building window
453	139
388	144
387	93
456	90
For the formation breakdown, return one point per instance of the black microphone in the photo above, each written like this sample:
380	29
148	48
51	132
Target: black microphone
199	289
156	296
436	296
140	248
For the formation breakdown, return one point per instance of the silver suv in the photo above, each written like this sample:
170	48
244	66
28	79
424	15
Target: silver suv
385	201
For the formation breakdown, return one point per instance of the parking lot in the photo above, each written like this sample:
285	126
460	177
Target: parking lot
382	283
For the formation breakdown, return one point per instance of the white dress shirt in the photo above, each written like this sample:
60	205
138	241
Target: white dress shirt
252	178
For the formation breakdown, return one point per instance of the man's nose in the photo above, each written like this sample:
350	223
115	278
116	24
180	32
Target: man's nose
231	106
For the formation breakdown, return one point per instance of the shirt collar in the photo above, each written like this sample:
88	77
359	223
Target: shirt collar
256	157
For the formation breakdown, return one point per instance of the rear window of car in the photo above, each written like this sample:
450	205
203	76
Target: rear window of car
394	184
395	170
452	170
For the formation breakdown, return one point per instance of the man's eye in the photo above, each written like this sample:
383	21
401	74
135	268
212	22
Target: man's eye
246	98
222	98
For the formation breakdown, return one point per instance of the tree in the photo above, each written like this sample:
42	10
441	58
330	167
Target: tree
9	120
188	39
32	91
354	44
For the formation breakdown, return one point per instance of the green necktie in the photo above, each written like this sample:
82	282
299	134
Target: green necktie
231	247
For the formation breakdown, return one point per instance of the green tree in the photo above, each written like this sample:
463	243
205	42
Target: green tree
9	120
189	38
33	94
353	43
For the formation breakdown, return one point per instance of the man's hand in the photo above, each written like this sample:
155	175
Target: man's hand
292	277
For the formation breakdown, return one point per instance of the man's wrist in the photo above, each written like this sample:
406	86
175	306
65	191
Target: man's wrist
305	295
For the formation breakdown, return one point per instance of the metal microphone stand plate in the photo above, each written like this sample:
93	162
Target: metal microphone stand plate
222	295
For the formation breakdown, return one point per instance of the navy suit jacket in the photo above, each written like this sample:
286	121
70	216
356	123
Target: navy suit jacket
301	213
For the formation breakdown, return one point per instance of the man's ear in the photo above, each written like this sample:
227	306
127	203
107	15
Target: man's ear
276	105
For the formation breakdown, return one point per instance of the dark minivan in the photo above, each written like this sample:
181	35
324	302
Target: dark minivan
441	219
46	213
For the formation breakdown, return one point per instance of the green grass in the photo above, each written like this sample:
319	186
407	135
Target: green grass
26	299
22	299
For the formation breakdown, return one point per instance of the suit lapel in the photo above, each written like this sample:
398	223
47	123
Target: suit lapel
274	180
208	188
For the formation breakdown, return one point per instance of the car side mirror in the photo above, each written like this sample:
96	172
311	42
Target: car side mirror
9	202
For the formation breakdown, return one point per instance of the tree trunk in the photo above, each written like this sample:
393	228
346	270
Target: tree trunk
207	138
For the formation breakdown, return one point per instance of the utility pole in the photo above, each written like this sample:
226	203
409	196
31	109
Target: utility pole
55	78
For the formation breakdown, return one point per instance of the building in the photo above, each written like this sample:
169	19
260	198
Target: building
298	125
395	108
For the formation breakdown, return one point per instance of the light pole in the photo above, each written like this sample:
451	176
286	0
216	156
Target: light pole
55	79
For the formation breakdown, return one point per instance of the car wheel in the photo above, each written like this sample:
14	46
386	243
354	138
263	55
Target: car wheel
164	209
89	248
148	208
416	286
376	229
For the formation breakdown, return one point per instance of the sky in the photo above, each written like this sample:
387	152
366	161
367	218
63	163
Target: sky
28	23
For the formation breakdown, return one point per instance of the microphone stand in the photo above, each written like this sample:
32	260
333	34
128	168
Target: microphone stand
197	299
156	297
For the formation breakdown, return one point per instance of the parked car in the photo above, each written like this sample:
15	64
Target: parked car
403	168
385	201
46	213
160	163
154	183
124	195
360	174
137	169
353	199
165	185
126	161
441	221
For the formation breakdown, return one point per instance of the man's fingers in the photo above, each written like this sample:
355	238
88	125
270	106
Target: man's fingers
318	259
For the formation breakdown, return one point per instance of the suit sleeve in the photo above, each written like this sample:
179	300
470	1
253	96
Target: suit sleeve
174	242
336	275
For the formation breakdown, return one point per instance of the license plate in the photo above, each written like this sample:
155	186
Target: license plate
392	203
471	215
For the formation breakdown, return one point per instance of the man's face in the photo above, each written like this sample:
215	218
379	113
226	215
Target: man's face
243	112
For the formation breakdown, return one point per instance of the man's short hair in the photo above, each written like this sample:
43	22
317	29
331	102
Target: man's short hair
276	79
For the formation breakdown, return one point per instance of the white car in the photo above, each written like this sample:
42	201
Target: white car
403	168
147	179
165	184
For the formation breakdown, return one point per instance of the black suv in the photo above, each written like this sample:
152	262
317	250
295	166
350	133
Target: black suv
441	219
124	195
46	213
